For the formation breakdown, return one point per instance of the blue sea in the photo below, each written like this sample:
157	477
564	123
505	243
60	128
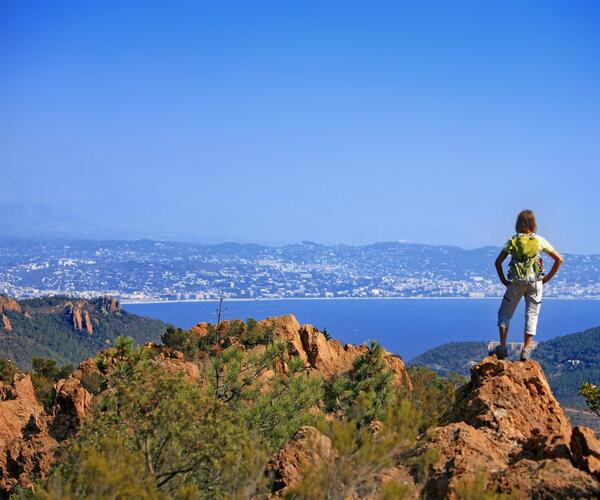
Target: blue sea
407	327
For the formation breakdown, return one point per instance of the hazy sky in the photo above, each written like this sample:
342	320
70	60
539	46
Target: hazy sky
283	121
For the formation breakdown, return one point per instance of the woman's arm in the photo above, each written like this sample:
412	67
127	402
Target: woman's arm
558	260
499	260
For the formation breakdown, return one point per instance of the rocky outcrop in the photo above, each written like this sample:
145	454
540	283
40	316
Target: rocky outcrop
586	450
79	316
174	361
514	404
8	304
71	405
25	445
6	325
323	356
508	428
109	305
308	449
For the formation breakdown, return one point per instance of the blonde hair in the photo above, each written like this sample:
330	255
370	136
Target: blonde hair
526	222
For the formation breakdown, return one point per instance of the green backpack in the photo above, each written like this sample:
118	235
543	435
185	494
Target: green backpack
526	264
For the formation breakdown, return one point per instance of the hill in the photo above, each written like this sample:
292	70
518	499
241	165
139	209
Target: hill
65	329
568	361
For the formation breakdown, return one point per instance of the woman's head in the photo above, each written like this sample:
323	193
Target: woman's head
526	222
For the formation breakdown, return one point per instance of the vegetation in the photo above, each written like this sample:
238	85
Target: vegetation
591	393
370	380
45	374
432	394
45	329
155	434
7	371
362	452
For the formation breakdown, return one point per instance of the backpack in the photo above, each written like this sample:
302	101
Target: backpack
526	263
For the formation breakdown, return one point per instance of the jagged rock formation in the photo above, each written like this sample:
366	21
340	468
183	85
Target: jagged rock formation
25	445
174	361
71	404
322	356
79	316
110	305
586	450
506	426
8	304
6	323
308	449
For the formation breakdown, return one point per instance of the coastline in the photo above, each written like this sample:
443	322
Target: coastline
274	299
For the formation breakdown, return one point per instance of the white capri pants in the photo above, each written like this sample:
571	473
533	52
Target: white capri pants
533	302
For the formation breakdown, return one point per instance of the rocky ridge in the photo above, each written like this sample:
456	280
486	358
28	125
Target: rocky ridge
30	435
506	426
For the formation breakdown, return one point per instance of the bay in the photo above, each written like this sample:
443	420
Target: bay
406	327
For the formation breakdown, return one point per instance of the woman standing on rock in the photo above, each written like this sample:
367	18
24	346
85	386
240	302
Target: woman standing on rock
525	279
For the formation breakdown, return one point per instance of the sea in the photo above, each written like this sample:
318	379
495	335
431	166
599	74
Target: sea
407	327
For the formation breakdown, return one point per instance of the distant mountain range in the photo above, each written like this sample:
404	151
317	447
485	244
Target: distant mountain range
158	270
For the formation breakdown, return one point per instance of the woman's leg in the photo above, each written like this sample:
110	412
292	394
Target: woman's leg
510	301
533	304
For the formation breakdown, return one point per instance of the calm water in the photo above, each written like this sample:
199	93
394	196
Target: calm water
406	327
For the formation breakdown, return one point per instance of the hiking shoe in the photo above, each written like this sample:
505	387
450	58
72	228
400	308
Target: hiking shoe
500	352
526	354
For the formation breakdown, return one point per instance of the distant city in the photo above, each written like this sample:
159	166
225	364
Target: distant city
144	270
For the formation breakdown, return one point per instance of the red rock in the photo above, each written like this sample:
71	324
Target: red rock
71	405
87	322
585	447
6	323
308	449
546	479
515	403
25	446
8	304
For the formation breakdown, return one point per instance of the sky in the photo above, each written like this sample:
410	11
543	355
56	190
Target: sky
277	122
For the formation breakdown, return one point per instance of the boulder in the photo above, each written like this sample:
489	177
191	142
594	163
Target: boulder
585	447
461	453
508	428
308	449
25	446
514	404
546	479
72	404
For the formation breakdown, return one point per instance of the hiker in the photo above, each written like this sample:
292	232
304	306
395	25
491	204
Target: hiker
525	279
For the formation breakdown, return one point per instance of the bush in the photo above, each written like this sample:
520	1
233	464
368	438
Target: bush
432	394
107	468
591	393
370	379
186	438
45	374
362	453
7	371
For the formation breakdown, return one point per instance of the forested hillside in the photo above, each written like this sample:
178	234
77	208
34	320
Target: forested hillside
65	329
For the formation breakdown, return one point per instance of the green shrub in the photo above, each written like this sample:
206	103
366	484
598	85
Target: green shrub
370	379
591	393
7	371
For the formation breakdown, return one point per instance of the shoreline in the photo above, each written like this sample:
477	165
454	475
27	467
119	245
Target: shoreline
278	299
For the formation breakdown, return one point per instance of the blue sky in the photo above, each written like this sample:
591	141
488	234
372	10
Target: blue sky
279	121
